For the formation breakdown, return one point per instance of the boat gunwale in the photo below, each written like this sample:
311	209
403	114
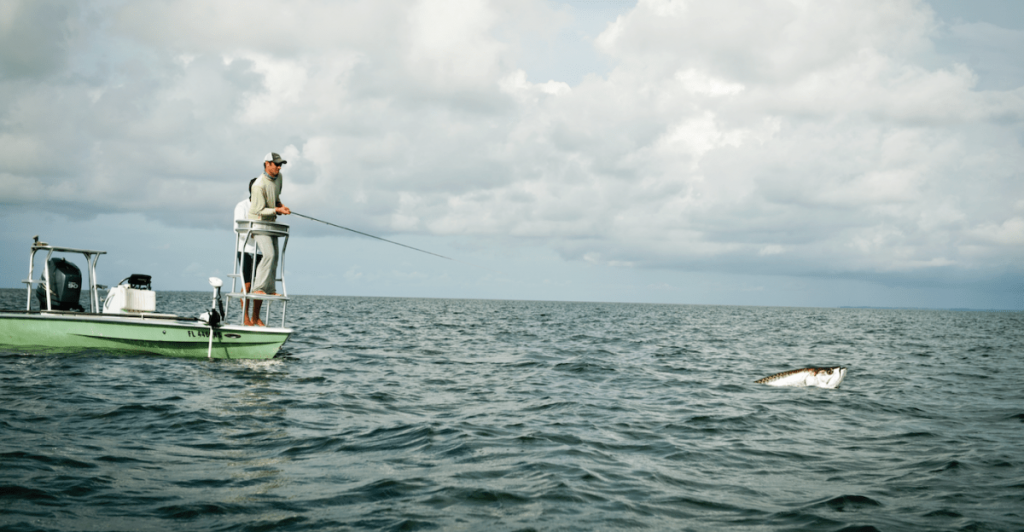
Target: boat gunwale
151	320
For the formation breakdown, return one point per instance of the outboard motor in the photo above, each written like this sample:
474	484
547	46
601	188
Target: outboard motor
213	316
216	312
65	286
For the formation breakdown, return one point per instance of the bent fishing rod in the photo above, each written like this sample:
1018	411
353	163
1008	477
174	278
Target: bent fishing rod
371	236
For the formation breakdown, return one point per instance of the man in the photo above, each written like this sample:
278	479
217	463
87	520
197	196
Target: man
247	253
266	205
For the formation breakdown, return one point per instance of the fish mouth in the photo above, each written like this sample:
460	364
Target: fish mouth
840	375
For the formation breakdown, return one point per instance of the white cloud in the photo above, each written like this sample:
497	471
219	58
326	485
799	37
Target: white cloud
781	136
284	86
700	83
450	45
1009	233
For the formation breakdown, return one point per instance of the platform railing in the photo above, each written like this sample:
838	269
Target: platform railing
91	256
247	231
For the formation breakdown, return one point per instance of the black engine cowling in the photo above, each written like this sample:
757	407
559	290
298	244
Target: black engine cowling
65	286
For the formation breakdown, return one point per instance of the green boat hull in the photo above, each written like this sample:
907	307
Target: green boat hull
156	334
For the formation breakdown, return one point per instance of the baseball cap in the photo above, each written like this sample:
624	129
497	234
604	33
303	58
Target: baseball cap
273	157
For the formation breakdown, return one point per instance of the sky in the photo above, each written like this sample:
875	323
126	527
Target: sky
755	152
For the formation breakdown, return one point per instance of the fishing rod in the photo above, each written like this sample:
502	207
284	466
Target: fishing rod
371	236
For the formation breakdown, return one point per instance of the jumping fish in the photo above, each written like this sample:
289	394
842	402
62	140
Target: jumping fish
827	377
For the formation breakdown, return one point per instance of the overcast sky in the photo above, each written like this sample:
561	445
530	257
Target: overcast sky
777	152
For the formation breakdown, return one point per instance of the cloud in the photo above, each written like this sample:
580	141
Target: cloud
764	137
35	38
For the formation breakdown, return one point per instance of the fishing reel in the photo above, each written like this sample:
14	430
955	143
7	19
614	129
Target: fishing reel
216	313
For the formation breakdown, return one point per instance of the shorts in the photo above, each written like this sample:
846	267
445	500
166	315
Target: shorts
246	259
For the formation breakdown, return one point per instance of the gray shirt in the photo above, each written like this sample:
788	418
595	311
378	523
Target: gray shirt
265	193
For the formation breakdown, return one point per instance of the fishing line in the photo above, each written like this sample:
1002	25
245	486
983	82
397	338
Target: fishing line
371	236
396	243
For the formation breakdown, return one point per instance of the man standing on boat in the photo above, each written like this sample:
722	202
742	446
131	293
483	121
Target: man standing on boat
266	205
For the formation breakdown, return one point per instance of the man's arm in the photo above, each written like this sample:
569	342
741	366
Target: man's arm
281	208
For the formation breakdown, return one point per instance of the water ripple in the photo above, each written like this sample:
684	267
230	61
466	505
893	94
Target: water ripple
405	414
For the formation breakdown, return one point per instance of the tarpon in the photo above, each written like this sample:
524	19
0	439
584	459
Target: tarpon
827	377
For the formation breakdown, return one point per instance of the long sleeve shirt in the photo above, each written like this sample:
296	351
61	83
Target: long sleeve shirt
265	193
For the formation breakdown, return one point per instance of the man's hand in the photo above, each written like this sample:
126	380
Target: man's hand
282	210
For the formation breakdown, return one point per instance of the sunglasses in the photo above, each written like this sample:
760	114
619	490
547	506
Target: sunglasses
276	164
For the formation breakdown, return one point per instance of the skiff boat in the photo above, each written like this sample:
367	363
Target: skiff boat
127	321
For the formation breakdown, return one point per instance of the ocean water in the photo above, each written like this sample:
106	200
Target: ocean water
417	414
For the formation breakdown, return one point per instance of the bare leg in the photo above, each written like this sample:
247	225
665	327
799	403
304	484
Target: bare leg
256	313
245	316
